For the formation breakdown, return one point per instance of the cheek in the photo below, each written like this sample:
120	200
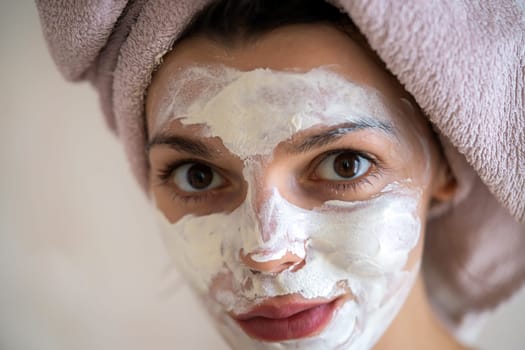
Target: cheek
164	203
371	240
195	250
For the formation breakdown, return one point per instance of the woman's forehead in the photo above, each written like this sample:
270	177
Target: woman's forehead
299	48
248	90
254	111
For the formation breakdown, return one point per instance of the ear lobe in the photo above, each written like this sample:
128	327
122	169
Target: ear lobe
446	186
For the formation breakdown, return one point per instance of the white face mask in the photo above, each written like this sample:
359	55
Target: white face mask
353	252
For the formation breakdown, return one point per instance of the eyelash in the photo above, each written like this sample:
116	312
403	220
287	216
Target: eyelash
354	185
165	175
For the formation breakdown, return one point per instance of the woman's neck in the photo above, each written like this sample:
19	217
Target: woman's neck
416	326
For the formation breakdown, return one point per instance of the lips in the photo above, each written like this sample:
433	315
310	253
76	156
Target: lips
286	318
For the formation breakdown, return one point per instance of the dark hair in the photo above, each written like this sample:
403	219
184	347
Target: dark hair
233	21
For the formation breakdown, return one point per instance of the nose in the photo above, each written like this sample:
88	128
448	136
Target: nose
264	179
276	265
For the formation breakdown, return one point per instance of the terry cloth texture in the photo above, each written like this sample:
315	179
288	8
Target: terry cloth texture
464	63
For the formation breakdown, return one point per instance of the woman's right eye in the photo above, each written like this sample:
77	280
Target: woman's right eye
196	177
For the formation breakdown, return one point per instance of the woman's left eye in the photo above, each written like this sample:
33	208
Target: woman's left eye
343	166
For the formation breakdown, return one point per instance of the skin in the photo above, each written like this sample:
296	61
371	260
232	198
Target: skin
300	48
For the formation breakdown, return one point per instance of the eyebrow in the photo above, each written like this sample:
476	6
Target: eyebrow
181	143
199	148
331	135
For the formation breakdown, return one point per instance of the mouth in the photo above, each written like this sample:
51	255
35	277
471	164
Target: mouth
287	317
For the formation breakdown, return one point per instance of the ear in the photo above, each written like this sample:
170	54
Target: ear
445	185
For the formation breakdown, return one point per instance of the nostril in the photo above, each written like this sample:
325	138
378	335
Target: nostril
287	264
299	266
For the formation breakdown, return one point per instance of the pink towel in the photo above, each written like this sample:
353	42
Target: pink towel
463	61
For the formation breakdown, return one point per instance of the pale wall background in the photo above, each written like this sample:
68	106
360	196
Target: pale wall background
81	264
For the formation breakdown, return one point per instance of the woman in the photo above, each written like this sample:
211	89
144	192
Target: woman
292	173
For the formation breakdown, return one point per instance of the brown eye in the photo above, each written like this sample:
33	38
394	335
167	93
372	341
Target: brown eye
195	177
344	165
199	176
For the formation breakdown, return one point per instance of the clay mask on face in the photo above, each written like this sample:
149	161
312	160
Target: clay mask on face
355	253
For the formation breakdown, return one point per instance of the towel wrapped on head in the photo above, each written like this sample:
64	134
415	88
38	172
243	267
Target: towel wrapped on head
464	63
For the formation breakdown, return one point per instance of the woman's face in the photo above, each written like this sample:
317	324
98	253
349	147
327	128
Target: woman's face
292	177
